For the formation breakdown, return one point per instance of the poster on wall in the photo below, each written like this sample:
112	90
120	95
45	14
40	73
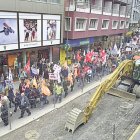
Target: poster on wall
51	29
30	30
8	31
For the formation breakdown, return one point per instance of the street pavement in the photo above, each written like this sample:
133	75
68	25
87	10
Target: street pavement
38	112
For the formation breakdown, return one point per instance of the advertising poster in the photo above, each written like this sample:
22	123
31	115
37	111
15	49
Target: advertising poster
30	30
51	29
8	31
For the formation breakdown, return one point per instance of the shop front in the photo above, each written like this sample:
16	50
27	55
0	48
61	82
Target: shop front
12	60
82	44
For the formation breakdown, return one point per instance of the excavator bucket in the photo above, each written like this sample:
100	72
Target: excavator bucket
75	119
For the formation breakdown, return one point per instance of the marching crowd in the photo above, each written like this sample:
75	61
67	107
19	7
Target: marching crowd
54	79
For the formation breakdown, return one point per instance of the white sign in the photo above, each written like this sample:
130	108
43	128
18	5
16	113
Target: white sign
52	76
56	68
35	71
30	30
128	49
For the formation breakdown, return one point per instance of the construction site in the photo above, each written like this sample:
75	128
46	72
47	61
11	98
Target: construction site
95	115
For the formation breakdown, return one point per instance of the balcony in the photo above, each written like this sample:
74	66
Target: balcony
122	11
107	11
96	9
83	7
78	6
115	12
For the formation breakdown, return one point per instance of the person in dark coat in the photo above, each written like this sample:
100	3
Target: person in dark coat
17	100
40	68
65	72
32	99
21	86
51	86
27	92
46	74
24	105
65	87
4	112
36	91
11	96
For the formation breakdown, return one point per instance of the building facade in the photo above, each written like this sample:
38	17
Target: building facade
30	29
89	22
135	13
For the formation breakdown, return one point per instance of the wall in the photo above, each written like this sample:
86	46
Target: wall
91	33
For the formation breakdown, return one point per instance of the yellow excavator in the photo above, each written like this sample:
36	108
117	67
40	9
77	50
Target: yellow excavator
123	82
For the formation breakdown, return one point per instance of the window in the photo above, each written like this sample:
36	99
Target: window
80	24
55	1
127	24
47	1
93	25
105	24
122	24
114	24
67	24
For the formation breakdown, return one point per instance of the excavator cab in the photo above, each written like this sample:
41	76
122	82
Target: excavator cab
136	71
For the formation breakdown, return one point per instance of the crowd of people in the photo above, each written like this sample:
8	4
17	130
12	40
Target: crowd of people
48	79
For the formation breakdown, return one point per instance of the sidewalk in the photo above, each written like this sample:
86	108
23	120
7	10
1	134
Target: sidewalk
17	123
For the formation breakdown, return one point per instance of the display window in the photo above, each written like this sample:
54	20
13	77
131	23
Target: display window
8	31
30	30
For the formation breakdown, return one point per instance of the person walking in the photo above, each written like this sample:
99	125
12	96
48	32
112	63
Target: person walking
65	86
24	105
4	112
17	100
11	96
58	92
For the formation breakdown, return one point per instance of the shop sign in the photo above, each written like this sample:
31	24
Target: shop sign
85	42
78	42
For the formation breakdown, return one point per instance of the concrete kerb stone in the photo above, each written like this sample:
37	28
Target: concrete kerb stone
39	113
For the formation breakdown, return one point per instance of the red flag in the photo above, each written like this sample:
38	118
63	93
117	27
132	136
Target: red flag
27	67
78	57
88	57
103	55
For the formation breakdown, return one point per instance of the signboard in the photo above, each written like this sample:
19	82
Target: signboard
35	71
53	76
85	42
78	42
30	30
51	29
128	49
8	31
56	68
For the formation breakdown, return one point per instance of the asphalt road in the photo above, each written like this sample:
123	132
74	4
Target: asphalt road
111	111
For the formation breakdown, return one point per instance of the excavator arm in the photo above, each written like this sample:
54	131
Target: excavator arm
77	117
